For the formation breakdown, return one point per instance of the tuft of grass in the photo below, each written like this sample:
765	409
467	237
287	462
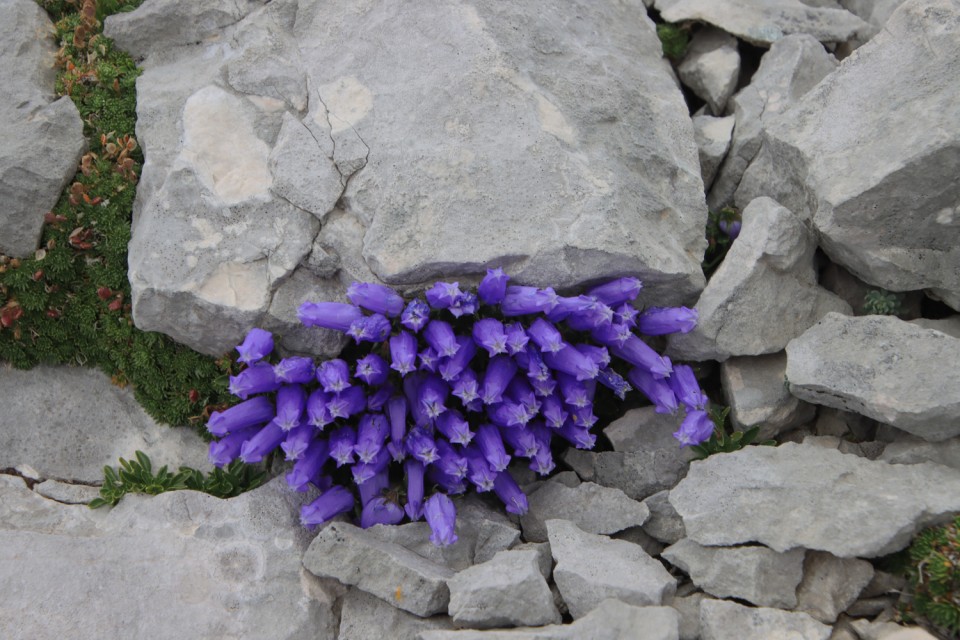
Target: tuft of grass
674	38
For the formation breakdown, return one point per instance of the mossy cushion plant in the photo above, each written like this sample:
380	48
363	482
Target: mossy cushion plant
934	577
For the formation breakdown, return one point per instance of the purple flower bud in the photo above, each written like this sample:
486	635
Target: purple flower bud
307	468
334	375
489	334
451	462
226	450
253	412
371	434
403	353
731	228
612	335
297	441
696	427
441	516
454	428
257	345
380	511
464	305
429	359
575	393
378	400
578	436
520	391
626	314
597	314
431	396
545	336
294	370
508	414
256	379
375	297
318	414
553	412
397	413
363	471
500	371
416	315
687	389
349	402
570	361
341	445
263	442
517	338
542	463
466	387
479	472
636	352
493	287
614	381
411	389
421	446
374	487
491	446
451	485
440	336
659	321
329	315
617	291
599	355
373	328
451	368
583	417
520	301
291	400
522	441
415	473
566	306
657	390
543	388
510	494
443	294
333	502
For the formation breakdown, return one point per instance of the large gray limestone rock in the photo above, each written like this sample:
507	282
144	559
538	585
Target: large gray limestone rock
766	21
756	390
876	12
67	423
882	367
711	67
871	155
42	136
831	584
593	508
910	450
452	138
764	293
799	495
713	141
366	617
179	565
723	620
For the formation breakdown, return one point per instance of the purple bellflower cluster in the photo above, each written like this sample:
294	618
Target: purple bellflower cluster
448	392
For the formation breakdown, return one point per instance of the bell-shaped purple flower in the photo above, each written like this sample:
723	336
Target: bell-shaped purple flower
226	450
380	511
520	391
575	393
415	472
570	361
543	464
374	487
416	315
297	441
421	446
479	472
553	412
614	381
363	471
440	336
466	387
372	328
510	494
294	370
372	369
687	389
493	287
517	338
329	315
442	517
626	314
521	301
464	305
341	445
450	485
545	336
489	334
578	436
508	414
597	314
256	379
658	390
317	413
375	297
397	414
617	291
566	306
731	228
291	401
263	442
443	294
451	368
349	402
429	359
500	371
639	354
377	401
250	413
454	428
371	434
307	468
491	446
257	345
612	335
451	462
583	417
659	321
599	355
432	395
403	353
333	502
522	441
411	389
543	388
696	427
334	375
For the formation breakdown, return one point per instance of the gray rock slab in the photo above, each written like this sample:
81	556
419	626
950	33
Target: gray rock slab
387	570
830	584
755	388
67	493
185	563
854	172
688	608
42	136
664	524
711	67
507	591
799	495
766	21
912	450
593	508
591	568
723	620
790	68
756	574
713	137
764	293
366	617
881	367
68	423
876	12
949	326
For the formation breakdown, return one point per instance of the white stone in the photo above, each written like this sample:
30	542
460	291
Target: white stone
755	388
593	508
722	620
830	585
711	67
713	137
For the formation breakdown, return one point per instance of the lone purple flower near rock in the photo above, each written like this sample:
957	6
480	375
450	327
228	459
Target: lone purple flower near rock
257	345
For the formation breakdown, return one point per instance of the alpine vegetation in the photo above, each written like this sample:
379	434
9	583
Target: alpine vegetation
446	392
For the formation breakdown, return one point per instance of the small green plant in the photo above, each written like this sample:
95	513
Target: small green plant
934	579
723	227
725	439
137	476
674	38
881	302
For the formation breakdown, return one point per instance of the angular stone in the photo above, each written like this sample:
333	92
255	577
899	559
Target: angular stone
799	495
189	565
758	575
591	568
711	67
365	617
723	620
713	140
949	326
67	493
303	168
387	570
593	508
756	390
507	591
769	267
911	450
787	71
830	585
67	423
688	608
764	22
853	172
876	12
42	136
664	524
883	368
